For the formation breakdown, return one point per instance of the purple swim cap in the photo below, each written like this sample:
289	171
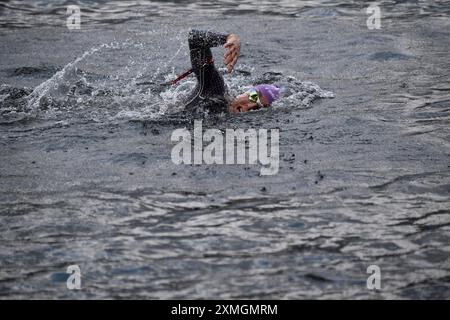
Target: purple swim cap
270	92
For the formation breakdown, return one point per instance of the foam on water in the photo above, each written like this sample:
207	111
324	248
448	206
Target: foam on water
59	83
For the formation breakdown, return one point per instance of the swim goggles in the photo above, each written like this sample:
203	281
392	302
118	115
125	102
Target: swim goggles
253	96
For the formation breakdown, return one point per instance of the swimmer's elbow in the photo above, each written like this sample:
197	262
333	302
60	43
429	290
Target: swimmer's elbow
205	39
195	37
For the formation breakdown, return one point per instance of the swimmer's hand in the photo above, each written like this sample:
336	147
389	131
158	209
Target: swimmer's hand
233	45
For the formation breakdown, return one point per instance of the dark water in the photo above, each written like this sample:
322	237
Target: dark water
87	178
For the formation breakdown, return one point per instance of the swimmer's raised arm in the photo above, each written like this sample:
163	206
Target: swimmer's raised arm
207	39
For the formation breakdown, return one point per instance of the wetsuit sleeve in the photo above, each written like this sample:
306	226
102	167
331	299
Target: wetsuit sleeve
210	81
206	39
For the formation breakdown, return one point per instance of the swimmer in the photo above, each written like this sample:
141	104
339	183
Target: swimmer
210	92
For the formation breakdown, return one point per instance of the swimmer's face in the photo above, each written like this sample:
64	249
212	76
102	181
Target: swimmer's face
242	104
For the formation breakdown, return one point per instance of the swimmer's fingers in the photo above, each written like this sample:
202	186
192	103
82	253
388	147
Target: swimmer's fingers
235	58
231	65
231	50
231	58
230	46
231	62
233	46
226	56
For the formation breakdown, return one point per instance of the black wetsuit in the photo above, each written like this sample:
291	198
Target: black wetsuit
210	92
